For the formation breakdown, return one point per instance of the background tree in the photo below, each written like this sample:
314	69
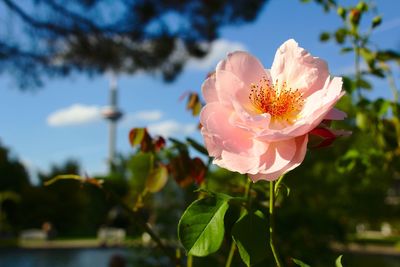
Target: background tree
95	36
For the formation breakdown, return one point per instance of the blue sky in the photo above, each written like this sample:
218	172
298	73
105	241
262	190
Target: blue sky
62	121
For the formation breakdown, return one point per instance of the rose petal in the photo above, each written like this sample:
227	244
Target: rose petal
298	68
238	163
244	66
297	159
214	117
279	154
335	114
227	85
208	89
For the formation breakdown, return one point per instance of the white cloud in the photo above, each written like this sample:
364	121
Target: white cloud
147	115
76	114
170	128
142	116
220	48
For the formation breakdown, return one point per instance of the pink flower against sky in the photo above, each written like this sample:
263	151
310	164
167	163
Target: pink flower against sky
256	121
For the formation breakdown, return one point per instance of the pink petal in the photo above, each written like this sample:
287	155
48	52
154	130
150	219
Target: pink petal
300	152
298	68
279	154
244	66
213	146
214	117
236	162
335	115
208	89
227	85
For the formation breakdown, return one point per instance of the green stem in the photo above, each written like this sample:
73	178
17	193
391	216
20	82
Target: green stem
232	250
357	58
271	223
231	254
277	184
189	260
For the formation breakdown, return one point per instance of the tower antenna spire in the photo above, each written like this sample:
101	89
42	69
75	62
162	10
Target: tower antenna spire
113	114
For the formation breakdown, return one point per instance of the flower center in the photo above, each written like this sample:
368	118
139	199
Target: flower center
278	100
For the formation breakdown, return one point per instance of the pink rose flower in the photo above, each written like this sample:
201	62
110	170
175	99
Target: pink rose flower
256	121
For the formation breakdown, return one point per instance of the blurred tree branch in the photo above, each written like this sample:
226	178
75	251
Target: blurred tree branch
56	37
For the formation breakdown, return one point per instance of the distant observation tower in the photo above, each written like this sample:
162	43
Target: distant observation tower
112	114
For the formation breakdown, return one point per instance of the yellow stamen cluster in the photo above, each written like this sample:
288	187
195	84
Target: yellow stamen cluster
278	100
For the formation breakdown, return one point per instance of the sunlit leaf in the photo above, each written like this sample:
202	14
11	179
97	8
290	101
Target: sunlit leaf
341	12
136	136
362	120
376	21
141	165
157	179
194	103
362	6
300	263
338	262
201	227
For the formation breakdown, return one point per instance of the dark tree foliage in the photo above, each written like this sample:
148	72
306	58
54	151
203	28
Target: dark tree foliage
13	176
55	37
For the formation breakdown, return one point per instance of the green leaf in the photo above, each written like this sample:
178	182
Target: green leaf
141	166
387	55
362	6
136	136
199	147
250	234
364	84
381	106
340	35
368	56
348	84
362	120
323	37
285	187
341	12
346	50
338	262
377	72
201	227
229	198
300	263
157	179
376	21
